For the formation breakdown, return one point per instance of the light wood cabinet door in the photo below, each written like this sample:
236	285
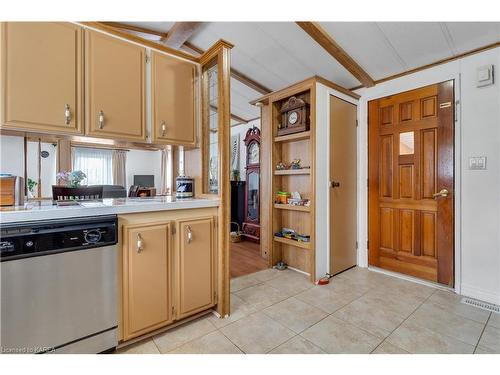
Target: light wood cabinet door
115	88
173	100
195	266
41	76
147	302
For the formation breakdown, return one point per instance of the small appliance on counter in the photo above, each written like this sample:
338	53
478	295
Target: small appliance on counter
184	185
11	190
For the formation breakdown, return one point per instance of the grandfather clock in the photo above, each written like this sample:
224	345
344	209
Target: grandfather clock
251	224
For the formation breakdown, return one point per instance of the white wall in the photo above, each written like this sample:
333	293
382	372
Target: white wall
477	204
241	130
143	162
12	155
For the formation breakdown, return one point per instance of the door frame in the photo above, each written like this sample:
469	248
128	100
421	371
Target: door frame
420	79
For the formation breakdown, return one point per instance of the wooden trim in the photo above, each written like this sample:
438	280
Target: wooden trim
193	47
293	137
213	51
136	29
287	241
224	216
241	120
180	33
249	82
306	84
291	207
373	184
431	65
137	39
324	39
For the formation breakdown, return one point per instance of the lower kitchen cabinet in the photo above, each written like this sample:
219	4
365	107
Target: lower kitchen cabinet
195	266
147	278
168	269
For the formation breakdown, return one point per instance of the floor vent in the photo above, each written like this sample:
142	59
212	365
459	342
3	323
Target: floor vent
481	305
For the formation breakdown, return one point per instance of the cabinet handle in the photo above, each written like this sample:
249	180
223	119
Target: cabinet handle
67	114
163	128
140	243
189	234
101	119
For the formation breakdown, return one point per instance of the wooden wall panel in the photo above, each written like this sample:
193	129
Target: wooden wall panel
386	116
406	111
428	107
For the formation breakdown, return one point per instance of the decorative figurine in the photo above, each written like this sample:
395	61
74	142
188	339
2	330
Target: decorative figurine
295	164
281	166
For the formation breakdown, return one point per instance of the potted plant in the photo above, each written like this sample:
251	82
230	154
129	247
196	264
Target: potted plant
31	187
236	174
71	179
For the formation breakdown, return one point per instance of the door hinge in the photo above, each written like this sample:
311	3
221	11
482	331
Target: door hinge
173	229
356	245
367	245
367	182
357	123
148	59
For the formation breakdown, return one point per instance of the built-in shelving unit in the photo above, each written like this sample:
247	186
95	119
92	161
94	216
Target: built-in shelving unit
289	242
285	148
291	207
285	172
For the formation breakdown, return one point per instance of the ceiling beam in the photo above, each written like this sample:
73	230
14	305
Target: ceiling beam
236	74
135	29
324	39
180	33
240	120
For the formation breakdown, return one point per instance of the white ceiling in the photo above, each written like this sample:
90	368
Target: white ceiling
278	54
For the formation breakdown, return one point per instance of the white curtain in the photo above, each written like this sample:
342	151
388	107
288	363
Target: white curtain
97	164
120	167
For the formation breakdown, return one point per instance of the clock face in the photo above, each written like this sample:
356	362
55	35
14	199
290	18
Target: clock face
253	153
293	117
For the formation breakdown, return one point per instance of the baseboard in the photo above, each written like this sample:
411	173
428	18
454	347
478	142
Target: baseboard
410	278
480	294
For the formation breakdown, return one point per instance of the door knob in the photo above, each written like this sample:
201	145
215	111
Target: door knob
334	184
442	193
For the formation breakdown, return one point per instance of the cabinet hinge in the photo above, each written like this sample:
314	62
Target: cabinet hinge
173	311
173	229
148	59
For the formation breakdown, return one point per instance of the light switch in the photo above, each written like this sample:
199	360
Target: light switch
485	75
477	162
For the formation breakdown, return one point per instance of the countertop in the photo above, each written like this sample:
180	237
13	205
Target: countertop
45	210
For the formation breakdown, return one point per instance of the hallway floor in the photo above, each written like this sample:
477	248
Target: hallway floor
360	311
246	259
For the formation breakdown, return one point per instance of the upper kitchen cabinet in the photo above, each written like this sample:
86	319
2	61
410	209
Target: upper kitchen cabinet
41	77
173	100
114	88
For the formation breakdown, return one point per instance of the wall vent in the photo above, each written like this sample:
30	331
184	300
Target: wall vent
481	305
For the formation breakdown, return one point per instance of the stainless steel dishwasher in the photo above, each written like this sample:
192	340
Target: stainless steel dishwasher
59	286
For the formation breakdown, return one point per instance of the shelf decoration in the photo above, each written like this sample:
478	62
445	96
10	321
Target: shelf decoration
295	164
294	116
292	235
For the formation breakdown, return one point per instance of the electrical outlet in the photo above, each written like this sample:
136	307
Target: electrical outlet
477	162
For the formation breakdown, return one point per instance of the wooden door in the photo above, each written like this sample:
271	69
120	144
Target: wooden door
173	100
147	276
195	266
41	76
343	185
115	87
411	145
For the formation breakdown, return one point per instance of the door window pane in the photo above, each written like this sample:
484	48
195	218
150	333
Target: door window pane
406	143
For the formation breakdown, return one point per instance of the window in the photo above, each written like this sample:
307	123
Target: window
97	164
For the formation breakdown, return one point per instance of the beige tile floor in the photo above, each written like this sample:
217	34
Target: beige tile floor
360	311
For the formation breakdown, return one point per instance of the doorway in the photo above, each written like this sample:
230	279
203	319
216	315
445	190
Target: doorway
343	185
411	183
245	201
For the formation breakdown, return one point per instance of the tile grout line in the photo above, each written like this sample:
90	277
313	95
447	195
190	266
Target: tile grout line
482	332
408	317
